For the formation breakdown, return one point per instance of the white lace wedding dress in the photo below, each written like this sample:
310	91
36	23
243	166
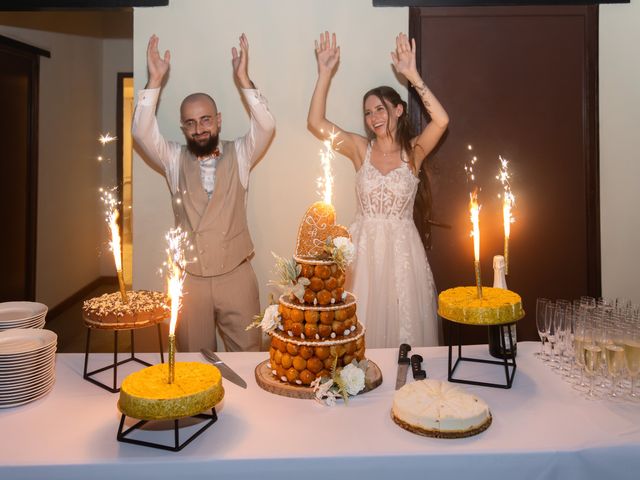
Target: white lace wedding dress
390	275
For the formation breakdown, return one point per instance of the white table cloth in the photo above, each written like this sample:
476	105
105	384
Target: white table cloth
542	428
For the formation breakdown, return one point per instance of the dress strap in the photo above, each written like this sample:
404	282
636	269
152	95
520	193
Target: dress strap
367	156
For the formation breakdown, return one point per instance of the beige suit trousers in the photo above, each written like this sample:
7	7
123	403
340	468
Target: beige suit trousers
227	302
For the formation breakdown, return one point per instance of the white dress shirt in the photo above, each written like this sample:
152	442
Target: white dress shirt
166	154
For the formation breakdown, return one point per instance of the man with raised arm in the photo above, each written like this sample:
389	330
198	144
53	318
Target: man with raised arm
208	180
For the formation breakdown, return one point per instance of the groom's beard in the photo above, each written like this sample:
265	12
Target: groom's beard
203	148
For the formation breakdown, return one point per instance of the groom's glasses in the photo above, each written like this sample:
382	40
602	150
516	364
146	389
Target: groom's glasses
204	122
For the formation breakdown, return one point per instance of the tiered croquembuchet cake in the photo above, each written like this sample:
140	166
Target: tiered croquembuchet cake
496	307
142	309
148	395
322	329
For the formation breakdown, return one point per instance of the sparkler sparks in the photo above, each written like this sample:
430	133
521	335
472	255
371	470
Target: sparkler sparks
175	271
468	168
112	213
508	201
106	138
325	183
474	210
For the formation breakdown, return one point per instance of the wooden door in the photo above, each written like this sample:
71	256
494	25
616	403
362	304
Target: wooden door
18	194
520	82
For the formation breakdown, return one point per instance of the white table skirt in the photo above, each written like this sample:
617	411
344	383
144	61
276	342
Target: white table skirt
541	428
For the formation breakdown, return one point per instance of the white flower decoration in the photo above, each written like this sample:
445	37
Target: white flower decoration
346	248
353	379
268	321
271	319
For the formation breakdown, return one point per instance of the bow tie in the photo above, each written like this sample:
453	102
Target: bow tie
214	154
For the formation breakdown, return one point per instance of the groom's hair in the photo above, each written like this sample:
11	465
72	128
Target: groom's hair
194	97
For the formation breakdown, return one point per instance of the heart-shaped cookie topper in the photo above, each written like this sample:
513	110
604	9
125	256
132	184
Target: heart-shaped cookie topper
317	225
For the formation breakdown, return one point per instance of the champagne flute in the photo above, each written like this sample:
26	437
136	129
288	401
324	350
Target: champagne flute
578	343
541	306
615	357
592	357
632	355
550	328
560	322
587	302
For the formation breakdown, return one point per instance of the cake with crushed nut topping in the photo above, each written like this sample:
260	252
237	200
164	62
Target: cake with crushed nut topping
142	309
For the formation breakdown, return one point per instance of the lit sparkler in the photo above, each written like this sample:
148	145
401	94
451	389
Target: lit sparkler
508	201
474	209
111	216
325	183
175	268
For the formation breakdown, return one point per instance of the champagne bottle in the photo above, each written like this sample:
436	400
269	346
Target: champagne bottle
500	281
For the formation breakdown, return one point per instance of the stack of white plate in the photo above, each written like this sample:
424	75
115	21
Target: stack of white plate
27	365
22	315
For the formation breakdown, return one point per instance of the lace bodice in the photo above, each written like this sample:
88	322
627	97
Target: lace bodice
385	196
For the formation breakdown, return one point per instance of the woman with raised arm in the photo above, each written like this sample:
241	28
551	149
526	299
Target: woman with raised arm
390	275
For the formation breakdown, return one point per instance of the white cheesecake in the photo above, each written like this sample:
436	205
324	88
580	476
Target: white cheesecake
439	409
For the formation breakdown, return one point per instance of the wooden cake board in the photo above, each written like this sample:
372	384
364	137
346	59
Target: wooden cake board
267	381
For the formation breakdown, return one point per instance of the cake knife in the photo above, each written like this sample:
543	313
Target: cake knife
225	370
403	365
416	367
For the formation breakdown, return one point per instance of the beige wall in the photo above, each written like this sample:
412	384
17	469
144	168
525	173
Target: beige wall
282	64
619	149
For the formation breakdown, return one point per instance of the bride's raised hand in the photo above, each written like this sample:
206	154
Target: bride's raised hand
404	58
327	53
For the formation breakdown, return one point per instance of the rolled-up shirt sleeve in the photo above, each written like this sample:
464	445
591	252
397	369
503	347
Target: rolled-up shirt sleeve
162	153
251	146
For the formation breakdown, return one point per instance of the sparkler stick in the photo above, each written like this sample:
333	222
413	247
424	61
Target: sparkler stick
175	266
475	221
508	200
325	183
474	210
111	214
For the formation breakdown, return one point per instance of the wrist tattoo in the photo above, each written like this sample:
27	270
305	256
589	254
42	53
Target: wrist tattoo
422	92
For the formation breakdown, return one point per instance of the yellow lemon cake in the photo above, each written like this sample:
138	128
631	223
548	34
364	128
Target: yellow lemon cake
147	395
497	306
438	409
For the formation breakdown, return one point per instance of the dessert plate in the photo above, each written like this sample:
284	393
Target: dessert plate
26	366
26	359
20	311
24	340
11	400
13	383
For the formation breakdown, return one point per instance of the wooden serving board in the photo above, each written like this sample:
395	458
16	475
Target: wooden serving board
266	380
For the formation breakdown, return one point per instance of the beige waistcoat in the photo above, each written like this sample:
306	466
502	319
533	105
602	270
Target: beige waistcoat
217	228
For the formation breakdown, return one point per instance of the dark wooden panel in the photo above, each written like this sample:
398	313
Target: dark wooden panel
484	3
18	196
521	83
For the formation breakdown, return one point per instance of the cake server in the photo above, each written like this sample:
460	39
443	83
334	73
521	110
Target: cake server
225	370
403	365
416	367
